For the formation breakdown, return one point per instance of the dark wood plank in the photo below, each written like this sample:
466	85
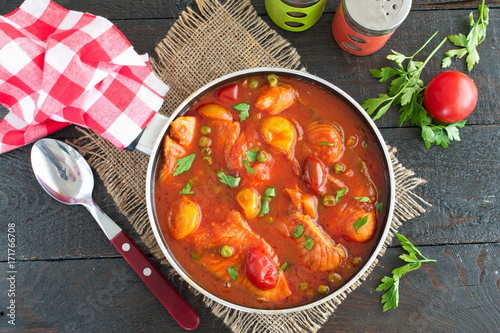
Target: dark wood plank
458	293
155	9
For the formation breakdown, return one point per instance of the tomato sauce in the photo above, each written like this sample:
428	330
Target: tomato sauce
333	205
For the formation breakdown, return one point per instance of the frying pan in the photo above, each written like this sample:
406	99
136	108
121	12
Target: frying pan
151	143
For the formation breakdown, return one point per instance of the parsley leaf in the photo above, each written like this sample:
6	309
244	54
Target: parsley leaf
359	223
282	268
379	206
299	230
243	109
264	202
251	154
390	285
362	199
233	272
468	44
195	256
230	181
309	243
340	194
270	192
184	164
187	189
247	166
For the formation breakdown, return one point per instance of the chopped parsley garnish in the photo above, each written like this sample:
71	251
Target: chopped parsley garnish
299	230
230	181
359	223
247	166
251	154
184	164
379	206
309	243
362	199
187	189
340	194
282	268
325	144
233	272
195	256
264	204
243	109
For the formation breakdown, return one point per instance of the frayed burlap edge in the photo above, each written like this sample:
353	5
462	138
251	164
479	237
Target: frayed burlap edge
178	65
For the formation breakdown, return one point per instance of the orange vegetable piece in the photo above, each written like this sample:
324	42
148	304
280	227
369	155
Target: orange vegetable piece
249	200
276	99
182	129
214	111
279	132
184	218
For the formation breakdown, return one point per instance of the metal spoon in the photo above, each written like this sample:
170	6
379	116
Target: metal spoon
67	177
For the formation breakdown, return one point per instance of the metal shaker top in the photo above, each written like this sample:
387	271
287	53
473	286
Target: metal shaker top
376	17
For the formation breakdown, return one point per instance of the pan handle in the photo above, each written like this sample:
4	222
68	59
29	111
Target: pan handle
144	143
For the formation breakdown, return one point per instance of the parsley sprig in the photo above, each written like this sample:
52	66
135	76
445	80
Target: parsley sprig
390	298
407	90
468	44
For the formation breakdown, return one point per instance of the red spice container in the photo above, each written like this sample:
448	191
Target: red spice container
362	27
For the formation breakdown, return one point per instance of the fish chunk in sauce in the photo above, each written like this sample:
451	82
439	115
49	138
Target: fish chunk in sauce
264	189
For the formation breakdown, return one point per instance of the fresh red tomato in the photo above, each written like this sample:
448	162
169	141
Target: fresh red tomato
228	93
450	96
261	269
314	174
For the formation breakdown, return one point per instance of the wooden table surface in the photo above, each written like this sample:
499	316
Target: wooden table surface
70	278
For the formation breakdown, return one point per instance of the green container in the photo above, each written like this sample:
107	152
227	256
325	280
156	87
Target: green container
295	15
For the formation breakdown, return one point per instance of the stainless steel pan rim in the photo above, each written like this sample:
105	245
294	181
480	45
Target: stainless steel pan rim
286	72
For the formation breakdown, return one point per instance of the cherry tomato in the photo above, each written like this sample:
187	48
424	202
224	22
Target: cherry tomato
261	269
314	174
228	93
450	96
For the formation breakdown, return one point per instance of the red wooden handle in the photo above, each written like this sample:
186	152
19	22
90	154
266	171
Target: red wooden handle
175	304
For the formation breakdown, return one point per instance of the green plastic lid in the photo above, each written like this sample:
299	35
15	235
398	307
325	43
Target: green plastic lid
295	15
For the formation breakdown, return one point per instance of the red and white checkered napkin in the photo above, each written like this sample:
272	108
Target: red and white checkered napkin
61	67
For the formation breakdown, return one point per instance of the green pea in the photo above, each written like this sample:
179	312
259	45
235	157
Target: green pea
303	285
204	141
226	251
328	200
262	156
322	289
208	159
356	261
253	83
273	80
205	130
206	151
339	168
334	278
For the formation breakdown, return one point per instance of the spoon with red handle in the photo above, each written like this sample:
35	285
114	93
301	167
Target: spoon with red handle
67	177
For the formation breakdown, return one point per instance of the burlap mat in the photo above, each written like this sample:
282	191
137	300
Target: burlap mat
202	45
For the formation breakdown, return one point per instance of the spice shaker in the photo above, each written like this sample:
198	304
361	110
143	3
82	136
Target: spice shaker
295	15
362	27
